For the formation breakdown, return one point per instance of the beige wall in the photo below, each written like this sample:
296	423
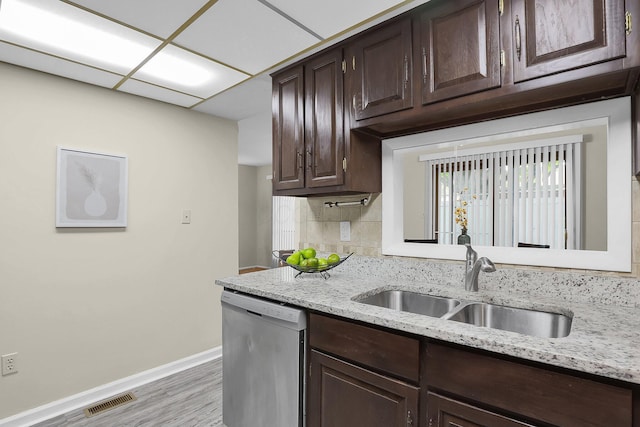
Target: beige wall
319	227
83	307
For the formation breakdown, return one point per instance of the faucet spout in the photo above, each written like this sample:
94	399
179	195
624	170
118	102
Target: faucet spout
473	267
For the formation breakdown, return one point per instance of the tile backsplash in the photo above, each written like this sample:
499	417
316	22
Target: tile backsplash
319	226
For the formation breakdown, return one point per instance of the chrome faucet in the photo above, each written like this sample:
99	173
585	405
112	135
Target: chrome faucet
473	266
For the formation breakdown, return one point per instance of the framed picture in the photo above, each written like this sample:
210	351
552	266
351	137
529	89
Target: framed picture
91	189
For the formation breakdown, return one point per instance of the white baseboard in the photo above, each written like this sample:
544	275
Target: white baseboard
105	391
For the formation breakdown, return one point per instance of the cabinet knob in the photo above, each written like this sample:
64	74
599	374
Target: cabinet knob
299	159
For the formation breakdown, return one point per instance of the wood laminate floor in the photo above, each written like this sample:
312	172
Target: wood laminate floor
192	398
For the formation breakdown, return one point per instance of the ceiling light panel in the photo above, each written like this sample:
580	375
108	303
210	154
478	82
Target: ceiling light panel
245	34
52	65
158	17
66	31
330	17
178	69
245	100
158	93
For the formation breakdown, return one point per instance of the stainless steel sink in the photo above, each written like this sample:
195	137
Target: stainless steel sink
412	302
528	322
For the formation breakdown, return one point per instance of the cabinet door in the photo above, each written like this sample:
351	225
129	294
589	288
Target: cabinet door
288	129
459	48
381	64
551	36
444	412
344	395
324	120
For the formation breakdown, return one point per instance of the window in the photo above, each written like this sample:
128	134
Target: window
283	223
526	193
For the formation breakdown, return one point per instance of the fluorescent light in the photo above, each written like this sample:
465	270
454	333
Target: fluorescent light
68	31
184	71
167	67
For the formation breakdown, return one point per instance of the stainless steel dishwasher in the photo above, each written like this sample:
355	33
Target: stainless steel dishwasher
263	362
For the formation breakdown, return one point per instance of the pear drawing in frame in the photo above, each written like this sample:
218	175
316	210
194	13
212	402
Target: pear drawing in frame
95	204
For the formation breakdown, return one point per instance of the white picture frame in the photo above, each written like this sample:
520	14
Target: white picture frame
91	189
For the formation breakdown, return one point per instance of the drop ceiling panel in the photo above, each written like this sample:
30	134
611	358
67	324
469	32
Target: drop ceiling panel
206	77
52	65
245	100
330	17
245	34
161	94
63	30
158	17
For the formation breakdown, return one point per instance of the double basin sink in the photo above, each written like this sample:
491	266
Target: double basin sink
524	321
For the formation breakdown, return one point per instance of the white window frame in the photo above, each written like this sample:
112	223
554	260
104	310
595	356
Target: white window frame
616	113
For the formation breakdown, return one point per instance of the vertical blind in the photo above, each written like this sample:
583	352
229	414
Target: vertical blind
518	193
283	223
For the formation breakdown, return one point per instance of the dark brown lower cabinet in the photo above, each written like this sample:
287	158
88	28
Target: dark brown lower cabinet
344	395
528	391
445	412
364	375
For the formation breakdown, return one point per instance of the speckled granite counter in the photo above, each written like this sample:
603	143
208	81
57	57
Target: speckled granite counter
604	338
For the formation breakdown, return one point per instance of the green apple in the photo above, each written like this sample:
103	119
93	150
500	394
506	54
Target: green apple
308	253
294	259
333	259
312	262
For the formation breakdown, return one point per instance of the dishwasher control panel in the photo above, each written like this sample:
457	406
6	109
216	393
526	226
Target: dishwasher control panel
265	308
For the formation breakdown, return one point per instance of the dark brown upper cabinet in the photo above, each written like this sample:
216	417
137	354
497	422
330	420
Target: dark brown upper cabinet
381	65
324	120
459	49
445	63
288	129
308	124
551	36
312	153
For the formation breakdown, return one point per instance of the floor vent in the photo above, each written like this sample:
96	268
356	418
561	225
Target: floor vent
105	405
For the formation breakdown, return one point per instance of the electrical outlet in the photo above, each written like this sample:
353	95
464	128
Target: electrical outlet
9	364
345	231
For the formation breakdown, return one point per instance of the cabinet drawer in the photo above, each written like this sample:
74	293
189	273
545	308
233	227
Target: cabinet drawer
393	354
532	392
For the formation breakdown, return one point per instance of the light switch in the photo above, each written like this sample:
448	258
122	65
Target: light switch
186	216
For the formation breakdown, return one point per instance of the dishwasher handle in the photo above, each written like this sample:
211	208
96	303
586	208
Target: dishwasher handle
292	317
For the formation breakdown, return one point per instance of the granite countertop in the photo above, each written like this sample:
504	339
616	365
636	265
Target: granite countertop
604	339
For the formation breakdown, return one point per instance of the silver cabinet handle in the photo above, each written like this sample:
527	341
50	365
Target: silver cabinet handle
406	71
518	39
424	65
